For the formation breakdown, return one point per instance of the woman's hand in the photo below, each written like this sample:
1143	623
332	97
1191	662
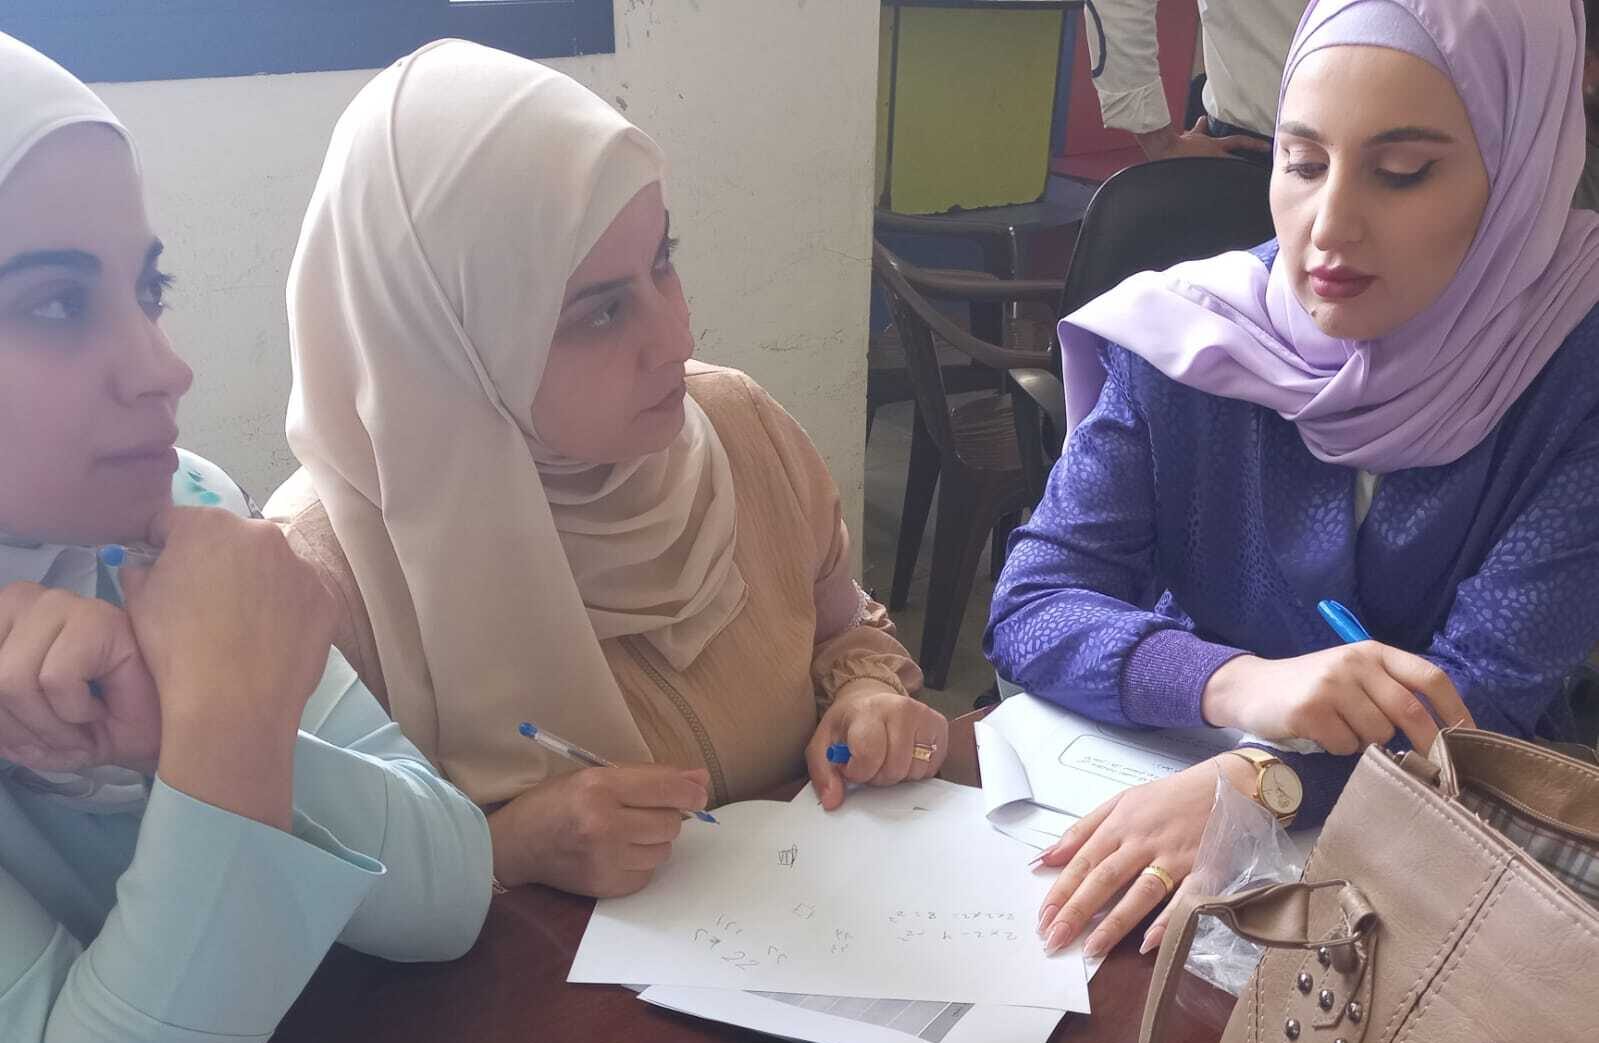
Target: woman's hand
1169	143
233	623
74	690
599	831
236	629
882	729
1344	698
1159	823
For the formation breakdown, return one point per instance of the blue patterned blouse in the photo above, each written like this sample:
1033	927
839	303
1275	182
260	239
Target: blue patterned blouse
1181	529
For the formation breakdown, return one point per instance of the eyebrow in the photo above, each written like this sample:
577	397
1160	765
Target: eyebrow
1394	136
74	260
601	288
597	290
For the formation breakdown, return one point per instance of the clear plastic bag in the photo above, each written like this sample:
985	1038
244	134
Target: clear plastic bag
1243	846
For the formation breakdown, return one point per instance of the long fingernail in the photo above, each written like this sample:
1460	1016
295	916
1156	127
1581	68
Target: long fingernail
1147	944
1059	937
1095	948
1045	917
1038	860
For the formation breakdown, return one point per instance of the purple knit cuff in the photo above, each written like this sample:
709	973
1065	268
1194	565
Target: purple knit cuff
1164	678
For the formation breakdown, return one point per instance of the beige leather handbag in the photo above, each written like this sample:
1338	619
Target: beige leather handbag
1452	898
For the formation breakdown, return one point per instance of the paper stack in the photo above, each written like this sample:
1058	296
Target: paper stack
900	916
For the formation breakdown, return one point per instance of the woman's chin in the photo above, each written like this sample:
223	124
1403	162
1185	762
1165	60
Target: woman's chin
1345	321
659	427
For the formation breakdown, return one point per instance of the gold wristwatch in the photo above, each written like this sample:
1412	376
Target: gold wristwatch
1277	786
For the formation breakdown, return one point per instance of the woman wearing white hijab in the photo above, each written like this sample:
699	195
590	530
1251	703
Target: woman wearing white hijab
196	798
547	516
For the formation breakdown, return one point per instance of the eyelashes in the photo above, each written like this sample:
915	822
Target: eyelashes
1312	171
1408	180
153	295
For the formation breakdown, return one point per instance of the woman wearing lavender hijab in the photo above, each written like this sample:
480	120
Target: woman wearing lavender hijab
1395	405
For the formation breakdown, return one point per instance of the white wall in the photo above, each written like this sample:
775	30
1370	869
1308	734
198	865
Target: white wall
765	109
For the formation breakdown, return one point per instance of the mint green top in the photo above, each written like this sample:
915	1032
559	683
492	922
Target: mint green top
134	912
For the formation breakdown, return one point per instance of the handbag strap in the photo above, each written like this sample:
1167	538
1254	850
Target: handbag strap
1275	915
1561	790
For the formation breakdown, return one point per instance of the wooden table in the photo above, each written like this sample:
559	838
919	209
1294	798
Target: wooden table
511	988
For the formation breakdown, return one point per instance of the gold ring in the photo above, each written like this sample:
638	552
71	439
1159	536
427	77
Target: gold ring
923	751
1160	874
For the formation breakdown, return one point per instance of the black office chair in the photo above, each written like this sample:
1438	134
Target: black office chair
1147	217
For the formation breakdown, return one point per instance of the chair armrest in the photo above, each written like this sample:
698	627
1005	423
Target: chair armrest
891	270
1039	402
973	229
1044	392
980	286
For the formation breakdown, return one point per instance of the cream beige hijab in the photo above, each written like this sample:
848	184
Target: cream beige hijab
462	187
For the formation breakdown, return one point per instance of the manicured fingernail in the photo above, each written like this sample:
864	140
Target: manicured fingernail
1045	917
1095	948
1059	936
1147	944
1038	860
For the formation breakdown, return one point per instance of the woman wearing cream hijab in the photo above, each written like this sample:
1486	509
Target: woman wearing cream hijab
550	513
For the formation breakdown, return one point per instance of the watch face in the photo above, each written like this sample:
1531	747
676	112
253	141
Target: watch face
1281	790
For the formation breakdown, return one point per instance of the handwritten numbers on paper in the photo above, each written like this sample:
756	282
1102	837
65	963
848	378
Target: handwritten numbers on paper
724	939
972	926
741	961
788	856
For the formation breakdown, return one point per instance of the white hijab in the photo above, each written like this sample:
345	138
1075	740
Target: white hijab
39	98
461	189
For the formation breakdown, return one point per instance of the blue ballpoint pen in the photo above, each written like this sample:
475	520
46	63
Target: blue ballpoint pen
556	744
115	555
1343	622
1346	626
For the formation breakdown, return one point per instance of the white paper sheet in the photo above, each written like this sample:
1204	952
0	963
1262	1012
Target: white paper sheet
1008	796
1032	750
844	1019
904	892
1034	826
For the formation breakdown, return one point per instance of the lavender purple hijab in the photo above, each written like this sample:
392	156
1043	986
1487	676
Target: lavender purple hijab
1428	392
